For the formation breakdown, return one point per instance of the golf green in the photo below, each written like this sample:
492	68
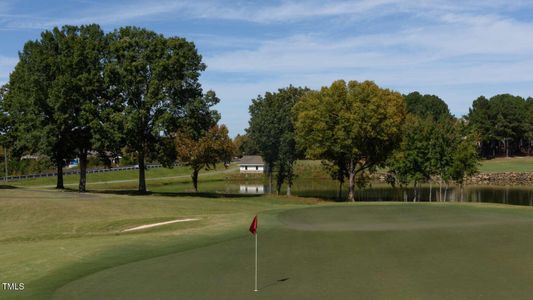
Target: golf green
363	251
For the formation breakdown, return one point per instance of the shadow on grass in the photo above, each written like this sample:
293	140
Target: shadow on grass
275	283
130	192
7	187
178	194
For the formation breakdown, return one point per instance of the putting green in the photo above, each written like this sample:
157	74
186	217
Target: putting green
384	251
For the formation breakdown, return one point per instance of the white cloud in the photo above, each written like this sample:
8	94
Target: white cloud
458	57
437	48
257	12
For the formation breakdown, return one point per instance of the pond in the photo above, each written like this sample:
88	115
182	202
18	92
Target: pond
516	195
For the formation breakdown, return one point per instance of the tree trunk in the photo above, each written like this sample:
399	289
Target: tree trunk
440	190
59	184
351	183
339	191
414	191
5	165
290	176
446	192
194	177
270	178
430	189
142	180
462	192
506	148
83	171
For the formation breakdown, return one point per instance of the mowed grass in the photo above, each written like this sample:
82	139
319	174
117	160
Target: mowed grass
507	164
49	238
154	174
314	169
362	251
127	178
64	245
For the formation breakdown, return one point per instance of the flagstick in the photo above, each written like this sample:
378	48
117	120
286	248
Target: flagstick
255	262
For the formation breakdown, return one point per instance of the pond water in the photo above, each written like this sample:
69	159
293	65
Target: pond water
520	195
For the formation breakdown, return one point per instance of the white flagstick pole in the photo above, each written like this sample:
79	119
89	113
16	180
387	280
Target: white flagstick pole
255	262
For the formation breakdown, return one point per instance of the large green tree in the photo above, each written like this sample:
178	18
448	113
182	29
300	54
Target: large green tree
155	78
58	88
412	160
41	120
502	124
465	161
80	89
356	121
271	129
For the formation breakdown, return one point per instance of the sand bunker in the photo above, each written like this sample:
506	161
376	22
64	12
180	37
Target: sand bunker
158	224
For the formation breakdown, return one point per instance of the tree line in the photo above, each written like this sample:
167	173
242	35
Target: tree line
504	124
77	90
356	128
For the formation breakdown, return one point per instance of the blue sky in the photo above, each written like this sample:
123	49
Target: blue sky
457	50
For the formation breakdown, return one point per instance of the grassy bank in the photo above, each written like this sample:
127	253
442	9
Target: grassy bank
507	164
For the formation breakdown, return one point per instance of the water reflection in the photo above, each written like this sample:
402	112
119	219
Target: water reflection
522	195
252	189
326	189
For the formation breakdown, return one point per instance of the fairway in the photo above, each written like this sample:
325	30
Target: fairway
361	251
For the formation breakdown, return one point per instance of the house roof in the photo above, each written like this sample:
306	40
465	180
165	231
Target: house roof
251	160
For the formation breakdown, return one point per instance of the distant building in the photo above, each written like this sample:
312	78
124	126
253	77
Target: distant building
252	164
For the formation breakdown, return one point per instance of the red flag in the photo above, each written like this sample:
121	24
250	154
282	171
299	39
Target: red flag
253	226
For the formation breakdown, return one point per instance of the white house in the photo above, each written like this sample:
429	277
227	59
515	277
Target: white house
251	164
